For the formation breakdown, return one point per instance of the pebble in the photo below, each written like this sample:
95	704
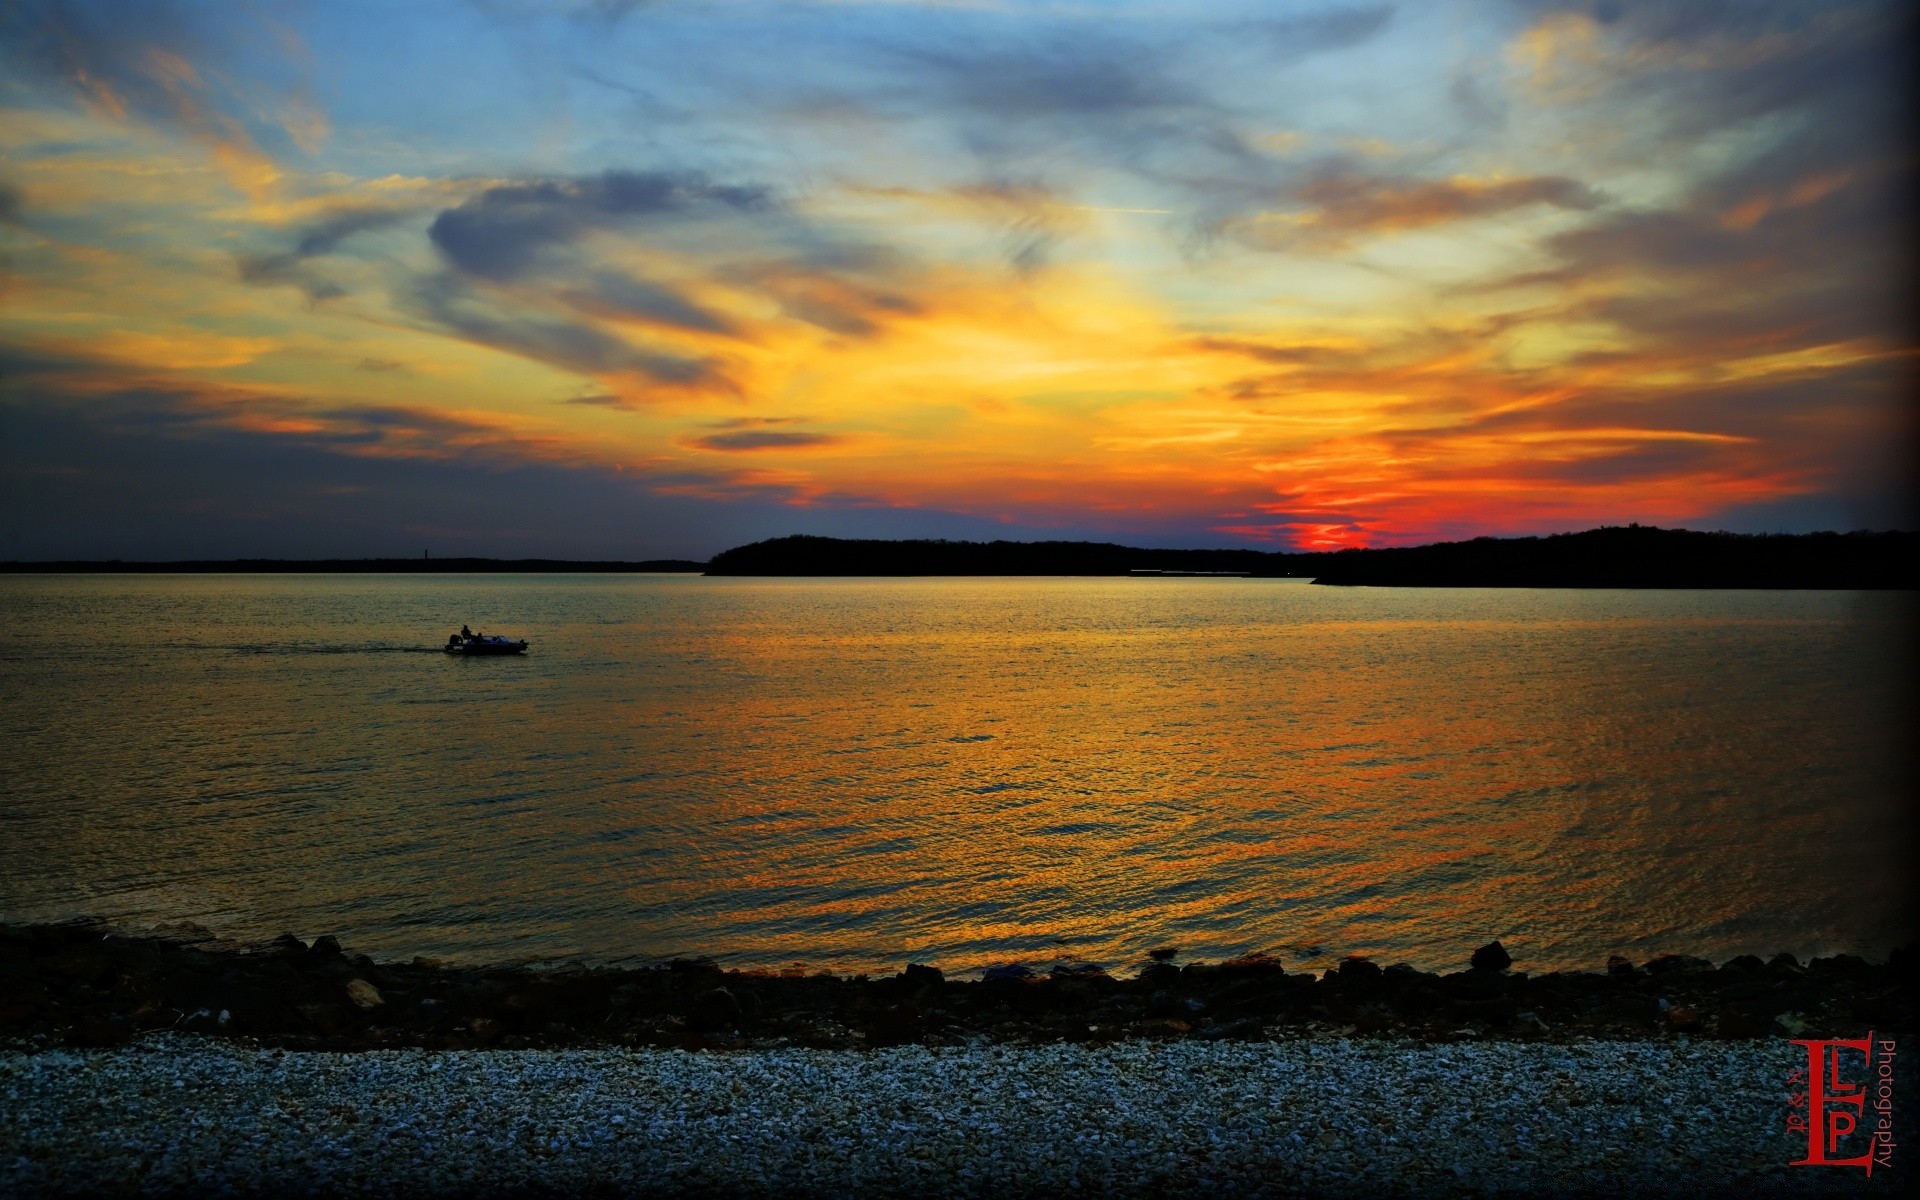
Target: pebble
1326	1116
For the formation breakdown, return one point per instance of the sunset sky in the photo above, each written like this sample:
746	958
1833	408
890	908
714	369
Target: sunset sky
637	279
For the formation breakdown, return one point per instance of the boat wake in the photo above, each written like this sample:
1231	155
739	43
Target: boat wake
278	648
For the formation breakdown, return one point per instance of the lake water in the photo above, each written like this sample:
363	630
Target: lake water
854	774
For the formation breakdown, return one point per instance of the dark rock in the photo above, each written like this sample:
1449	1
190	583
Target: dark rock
1244	1030
1491	957
1354	969
1090	972
1251	964
86	963
1635	1008
101	1029
1784	964
1159	974
1496	1011
1670	964
1007	973
325	1019
486	1030
288	945
1418	1001
1739	1023
1477	984
1159	1029
919	976
1840	964
205	1020
694	966
152	1016
326	946
1370	1020
713	1010
1618	967
188	989
1164	954
1683	1017
1744	965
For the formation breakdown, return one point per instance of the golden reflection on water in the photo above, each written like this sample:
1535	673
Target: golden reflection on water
855	773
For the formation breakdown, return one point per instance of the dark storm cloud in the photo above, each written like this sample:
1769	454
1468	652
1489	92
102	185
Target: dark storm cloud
1044	96
164	62
290	267
1346	199
1804	242
100	48
762	439
286	270
93	470
1022	99
11	203
1080	73
506	231
1810	258
626	296
570	344
1712	64
841	302
1077	77
324	236
75	485
1326	203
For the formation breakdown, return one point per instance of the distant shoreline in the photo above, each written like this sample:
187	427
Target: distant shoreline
1632	556
357	566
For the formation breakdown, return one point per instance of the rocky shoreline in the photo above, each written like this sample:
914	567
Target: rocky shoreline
77	985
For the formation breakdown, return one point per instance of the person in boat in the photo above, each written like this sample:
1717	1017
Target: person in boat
466	634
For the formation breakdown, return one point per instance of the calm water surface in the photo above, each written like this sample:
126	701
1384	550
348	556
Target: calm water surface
852	774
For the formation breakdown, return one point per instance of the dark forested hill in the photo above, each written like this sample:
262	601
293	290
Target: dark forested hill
1638	556
1628	556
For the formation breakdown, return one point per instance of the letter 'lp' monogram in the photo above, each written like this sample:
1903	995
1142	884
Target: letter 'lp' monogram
1836	1106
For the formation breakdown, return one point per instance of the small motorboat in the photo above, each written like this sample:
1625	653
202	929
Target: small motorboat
483	643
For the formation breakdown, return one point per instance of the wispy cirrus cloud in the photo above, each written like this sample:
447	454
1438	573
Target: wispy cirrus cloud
508	231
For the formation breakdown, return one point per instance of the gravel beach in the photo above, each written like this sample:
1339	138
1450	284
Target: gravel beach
173	1114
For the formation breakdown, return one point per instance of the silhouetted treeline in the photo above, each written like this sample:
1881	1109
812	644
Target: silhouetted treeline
1638	556
840	556
394	566
1630	556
